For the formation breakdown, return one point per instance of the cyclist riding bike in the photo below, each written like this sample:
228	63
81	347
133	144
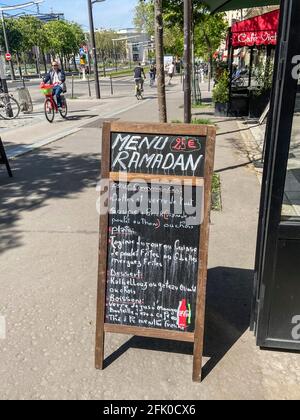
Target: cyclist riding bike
139	77
57	77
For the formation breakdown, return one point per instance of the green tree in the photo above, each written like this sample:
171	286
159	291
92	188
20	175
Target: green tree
173	41
144	16
107	45
61	37
14	35
209	33
33	37
209	30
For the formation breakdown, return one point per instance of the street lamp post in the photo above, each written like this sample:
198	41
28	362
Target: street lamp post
93	43
6	9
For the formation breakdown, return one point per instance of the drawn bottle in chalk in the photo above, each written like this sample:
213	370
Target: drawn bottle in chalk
184	315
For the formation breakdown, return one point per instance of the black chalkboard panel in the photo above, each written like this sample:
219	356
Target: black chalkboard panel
152	258
158	155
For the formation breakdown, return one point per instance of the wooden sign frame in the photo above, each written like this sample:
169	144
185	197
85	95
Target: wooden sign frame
4	160
101	327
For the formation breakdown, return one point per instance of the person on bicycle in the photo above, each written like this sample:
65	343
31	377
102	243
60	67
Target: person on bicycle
56	77
139	76
152	73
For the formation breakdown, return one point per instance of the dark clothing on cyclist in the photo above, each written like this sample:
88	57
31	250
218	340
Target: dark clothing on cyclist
139	76
139	72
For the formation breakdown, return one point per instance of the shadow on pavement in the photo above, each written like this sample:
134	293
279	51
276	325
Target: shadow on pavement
39	177
80	117
229	294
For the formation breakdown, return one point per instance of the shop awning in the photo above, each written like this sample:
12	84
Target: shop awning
259	30
223	5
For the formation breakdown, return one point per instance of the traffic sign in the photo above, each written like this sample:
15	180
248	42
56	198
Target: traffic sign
8	57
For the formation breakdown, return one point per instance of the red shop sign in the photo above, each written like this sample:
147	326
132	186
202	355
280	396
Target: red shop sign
249	39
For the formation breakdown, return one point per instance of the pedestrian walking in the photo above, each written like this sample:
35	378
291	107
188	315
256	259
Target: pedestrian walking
201	72
152	73
171	72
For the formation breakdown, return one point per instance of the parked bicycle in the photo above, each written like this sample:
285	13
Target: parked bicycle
9	106
50	106
239	79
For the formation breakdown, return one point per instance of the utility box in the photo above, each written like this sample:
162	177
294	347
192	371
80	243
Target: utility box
25	100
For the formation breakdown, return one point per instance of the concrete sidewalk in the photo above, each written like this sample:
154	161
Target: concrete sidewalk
48	258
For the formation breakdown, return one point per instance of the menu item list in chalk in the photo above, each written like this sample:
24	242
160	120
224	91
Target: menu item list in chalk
158	154
152	269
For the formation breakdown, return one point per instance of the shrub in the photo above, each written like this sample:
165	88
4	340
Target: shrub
221	90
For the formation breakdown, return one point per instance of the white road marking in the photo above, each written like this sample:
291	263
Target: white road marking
22	150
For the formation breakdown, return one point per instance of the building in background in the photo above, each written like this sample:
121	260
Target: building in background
48	17
234	16
138	44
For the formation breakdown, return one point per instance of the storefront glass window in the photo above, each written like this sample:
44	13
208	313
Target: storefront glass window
291	203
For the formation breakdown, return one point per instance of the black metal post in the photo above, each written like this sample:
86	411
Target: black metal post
111	85
187	61
251	65
89	85
94	51
231	59
72	87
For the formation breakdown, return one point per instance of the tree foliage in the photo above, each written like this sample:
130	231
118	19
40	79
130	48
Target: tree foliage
107	44
144	17
57	37
62	37
209	29
14	36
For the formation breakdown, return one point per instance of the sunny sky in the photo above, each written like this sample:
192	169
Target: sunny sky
109	14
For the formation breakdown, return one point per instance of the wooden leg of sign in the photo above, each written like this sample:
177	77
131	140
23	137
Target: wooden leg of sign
203	258
199	330
198	344
102	274
100	334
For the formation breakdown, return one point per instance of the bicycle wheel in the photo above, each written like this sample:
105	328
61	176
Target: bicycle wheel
49	110
9	107
64	109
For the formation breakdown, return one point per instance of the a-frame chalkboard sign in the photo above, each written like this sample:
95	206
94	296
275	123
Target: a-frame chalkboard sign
154	239
3	159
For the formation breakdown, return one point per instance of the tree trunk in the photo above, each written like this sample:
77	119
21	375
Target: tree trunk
19	65
37	60
161	84
25	64
44	61
12	69
209	72
61	62
75	64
